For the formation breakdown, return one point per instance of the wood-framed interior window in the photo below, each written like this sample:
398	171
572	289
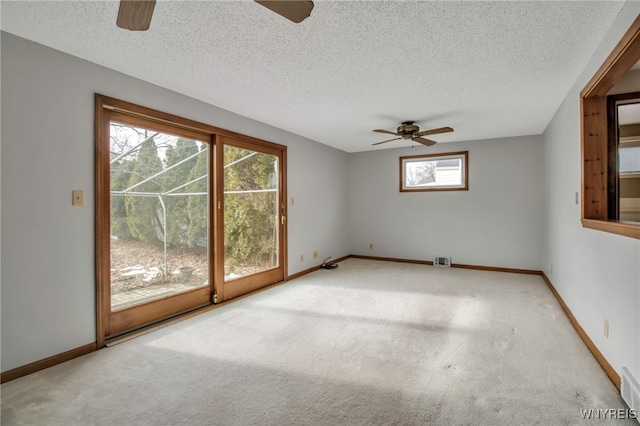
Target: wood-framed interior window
435	172
595	212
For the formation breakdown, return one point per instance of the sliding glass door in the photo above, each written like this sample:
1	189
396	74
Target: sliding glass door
186	215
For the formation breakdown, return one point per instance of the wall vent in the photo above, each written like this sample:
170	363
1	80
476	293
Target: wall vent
630	391
442	261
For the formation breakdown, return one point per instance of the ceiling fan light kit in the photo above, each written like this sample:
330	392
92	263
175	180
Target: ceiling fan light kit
408	130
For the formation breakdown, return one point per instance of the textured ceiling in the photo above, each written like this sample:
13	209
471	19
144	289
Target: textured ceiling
487	69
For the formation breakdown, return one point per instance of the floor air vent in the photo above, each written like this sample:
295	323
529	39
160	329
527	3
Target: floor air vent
630	391
442	261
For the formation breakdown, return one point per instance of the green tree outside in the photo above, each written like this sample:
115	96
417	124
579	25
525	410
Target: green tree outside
143	214
197	205
178	219
120	178
250	217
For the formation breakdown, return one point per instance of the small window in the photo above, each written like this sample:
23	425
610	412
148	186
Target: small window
434	172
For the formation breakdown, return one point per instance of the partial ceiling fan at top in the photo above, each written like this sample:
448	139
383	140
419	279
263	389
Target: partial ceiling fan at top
408	130
135	15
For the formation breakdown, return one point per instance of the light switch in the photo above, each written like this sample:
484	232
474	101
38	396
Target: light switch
77	197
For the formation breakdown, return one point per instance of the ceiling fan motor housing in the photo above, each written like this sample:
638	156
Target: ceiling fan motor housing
408	130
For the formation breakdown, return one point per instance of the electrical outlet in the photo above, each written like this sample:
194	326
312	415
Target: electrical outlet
370	246
293	201
315	254
302	258
606	328
77	197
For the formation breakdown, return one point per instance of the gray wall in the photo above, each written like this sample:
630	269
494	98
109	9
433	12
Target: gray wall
497	222
48	278
596	273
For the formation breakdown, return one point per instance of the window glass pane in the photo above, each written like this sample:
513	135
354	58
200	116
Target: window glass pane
159	215
250	212
433	172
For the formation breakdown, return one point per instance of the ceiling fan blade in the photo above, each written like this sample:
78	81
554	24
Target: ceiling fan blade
385	131
294	10
423	141
378	143
135	15
436	131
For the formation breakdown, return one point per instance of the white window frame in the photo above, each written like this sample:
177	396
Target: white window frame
461	155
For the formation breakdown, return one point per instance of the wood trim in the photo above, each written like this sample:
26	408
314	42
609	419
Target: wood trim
249	283
618	63
102	221
393	259
163	117
594	158
627	229
315	268
613	187
608	369
158	126
217	163
284	210
135	317
24	370
160	324
303	273
453	265
596	191
497	269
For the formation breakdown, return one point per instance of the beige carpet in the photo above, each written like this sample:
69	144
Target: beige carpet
370	343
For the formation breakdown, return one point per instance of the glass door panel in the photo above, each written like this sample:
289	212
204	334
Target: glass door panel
251	212
159	219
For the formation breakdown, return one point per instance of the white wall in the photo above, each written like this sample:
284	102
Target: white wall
48	278
596	273
497	222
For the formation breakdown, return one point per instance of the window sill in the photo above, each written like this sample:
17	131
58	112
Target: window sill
627	229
